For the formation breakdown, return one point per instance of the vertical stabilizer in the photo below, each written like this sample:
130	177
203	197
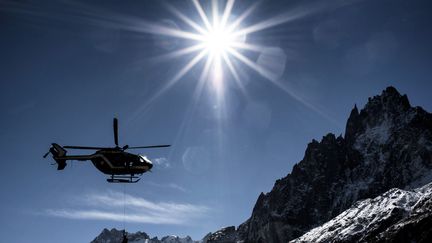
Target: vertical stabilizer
58	153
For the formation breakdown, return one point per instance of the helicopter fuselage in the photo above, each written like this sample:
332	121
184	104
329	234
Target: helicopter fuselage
115	162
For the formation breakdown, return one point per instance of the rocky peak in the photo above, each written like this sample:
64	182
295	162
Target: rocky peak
352	124
390	100
106	235
114	235
381	110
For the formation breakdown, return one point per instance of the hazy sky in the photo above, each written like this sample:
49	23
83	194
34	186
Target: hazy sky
68	67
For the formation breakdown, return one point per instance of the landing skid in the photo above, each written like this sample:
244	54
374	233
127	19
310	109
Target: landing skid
123	179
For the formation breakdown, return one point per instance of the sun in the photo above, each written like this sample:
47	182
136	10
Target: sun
218	41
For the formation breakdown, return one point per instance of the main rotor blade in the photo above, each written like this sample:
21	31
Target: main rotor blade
115	124
152	146
85	147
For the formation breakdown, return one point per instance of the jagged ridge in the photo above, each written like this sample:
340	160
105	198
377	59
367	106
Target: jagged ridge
114	235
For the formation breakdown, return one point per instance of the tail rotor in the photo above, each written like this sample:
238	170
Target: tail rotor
58	152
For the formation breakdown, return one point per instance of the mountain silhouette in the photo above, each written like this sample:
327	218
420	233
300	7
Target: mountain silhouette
387	144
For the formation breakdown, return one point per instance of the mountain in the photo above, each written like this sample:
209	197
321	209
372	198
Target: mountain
388	144
395	216
114	236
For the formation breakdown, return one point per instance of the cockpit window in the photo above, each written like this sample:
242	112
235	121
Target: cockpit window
144	159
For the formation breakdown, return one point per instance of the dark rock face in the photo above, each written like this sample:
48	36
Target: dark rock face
388	144
224	235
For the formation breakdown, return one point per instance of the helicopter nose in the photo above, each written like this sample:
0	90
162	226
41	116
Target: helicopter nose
149	163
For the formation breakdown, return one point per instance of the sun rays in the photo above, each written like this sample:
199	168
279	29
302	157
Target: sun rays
216	40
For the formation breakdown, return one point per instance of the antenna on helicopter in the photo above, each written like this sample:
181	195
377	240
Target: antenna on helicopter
115	127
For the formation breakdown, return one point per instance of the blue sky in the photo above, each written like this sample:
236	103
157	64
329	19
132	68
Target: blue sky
69	67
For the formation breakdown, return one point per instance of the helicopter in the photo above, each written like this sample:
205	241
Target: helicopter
123	167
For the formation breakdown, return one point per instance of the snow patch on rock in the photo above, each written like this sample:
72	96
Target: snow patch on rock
368	216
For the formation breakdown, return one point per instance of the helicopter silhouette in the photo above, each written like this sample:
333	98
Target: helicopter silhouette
123	167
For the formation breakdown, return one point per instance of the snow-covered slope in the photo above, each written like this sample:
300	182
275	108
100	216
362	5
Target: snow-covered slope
379	219
114	236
